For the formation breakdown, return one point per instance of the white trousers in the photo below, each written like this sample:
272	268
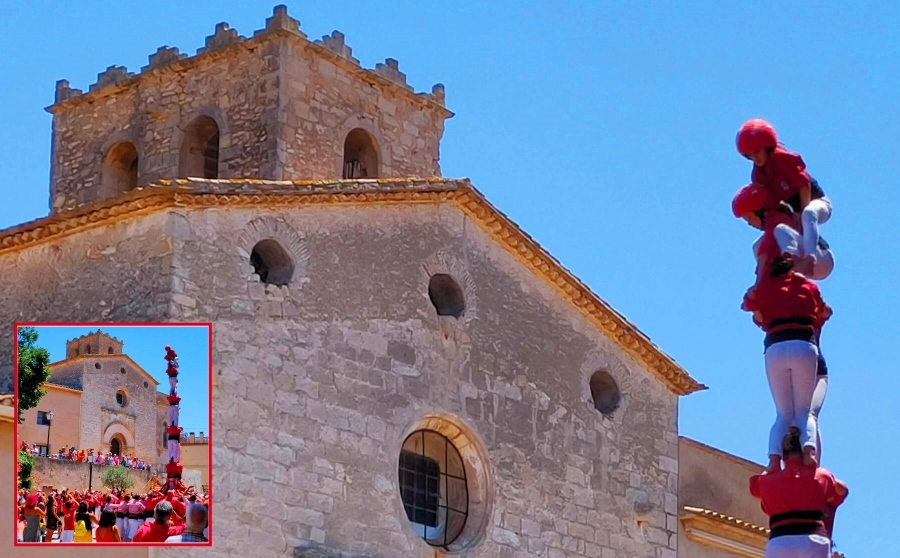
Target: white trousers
791	370
818	400
792	242
173	381
133	526
67	536
174	450
799	546
173	415
817	212
120	523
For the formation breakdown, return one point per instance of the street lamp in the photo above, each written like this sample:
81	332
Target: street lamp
49	417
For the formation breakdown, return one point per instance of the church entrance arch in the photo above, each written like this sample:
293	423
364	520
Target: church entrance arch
119	439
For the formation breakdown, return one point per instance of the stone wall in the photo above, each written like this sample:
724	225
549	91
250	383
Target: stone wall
75	475
239	91
115	273
100	413
338	366
283	106
324	100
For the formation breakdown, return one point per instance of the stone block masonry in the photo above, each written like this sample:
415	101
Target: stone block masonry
76	475
283	107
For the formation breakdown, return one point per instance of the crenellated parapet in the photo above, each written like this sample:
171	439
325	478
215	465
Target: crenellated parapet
164	56
224	38
111	76
335	43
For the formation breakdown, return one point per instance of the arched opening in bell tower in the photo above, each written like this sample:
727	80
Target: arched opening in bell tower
120	169
360	155
199	154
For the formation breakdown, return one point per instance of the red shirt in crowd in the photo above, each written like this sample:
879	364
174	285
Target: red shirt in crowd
69	519
797	488
788	296
783	175
151	531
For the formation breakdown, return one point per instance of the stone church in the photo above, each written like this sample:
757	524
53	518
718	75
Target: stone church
399	370
100	399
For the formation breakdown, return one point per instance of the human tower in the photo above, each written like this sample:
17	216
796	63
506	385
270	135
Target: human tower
173	431
788	206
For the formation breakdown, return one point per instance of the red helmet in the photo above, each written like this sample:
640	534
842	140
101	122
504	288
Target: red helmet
749	199
754	135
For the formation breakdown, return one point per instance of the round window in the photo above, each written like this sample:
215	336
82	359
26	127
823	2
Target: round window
433	487
122	398
97	365
445	483
146	384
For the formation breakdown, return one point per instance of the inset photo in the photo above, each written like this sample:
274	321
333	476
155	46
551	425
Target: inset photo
113	433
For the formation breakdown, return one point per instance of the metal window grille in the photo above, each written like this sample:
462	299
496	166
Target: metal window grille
433	487
42	418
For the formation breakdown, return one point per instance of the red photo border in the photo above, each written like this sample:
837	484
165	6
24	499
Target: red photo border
15	468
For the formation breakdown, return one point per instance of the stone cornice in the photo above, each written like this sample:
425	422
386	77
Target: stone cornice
236	193
724	532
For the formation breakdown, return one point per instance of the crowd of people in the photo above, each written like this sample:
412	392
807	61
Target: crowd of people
86	517
788	206
99	458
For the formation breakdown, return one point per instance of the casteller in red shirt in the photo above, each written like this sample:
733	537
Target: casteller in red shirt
151	531
801	496
788	301
784	175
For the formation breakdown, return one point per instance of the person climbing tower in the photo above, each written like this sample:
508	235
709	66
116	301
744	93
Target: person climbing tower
800	501
783	173
781	232
790	309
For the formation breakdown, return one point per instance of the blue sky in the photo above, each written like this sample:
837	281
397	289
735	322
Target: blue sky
146	346
606	130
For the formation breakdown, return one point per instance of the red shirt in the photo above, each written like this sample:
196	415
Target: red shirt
789	296
69	520
151	531
796	488
783	175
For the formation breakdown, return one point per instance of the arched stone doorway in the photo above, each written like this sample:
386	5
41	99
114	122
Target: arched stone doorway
119	439
114	447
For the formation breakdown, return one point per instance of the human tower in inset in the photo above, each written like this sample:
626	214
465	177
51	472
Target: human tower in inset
174	430
788	205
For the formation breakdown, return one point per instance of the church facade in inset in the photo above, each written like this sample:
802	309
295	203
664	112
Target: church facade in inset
101	399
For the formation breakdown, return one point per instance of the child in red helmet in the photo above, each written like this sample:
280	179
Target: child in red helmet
784	175
780	226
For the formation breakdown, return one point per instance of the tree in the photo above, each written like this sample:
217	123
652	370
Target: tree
26	464
33	370
116	478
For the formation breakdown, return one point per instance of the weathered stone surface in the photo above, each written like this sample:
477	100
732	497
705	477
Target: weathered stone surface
283	111
316	405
